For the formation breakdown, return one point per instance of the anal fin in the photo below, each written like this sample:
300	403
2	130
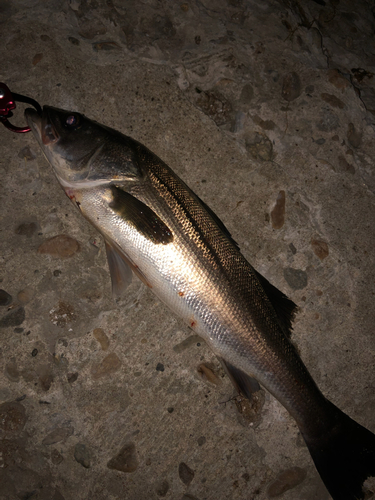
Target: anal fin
244	383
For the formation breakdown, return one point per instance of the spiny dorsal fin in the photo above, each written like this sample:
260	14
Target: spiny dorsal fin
284	307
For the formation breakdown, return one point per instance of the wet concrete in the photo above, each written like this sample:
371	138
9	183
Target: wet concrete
266	109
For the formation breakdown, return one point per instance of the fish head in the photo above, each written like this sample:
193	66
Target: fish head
82	152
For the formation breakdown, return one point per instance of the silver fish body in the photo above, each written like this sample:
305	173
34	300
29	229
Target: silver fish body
156	226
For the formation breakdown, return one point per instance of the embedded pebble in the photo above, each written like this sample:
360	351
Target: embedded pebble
110	364
11	371
60	246
12	418
251	411
25	295
345	166
207	374
102	338
259	146
296	278
56	457
5	298
278	211
82	455
216	106
45	376
201	441
285	481
14	318
160	367
186	474
320	248
332	100
62	314
26	154
58	435
354	136
72	377
291	86
339	81
162	488
27	229
185	344
125	460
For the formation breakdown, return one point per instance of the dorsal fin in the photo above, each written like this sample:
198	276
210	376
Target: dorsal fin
284	307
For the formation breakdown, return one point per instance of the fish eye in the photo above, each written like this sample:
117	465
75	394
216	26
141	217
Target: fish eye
72	121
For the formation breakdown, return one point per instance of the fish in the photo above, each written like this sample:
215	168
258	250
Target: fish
156	227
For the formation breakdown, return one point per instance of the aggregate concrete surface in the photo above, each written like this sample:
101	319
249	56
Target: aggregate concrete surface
266	109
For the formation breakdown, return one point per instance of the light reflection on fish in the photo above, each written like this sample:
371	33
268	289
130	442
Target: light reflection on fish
155	226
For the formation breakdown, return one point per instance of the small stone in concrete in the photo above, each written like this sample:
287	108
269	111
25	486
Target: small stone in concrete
193	339
187	496
296	278
162	488
5	298
27	229
160	367
58	435
291	86
25	295
201	441
12	418
11	371
125	460
72	377
285	481
102	338
259	146
110	364
354	137
56	457
60	246
278	211
215	105
207	374
320	248
26	154
62	314
45	376
186	474
345	166
14	318
82	455
332	100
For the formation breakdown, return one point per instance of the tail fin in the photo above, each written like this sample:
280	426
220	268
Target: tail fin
344	456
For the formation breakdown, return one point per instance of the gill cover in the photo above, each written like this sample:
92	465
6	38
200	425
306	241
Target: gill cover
81	151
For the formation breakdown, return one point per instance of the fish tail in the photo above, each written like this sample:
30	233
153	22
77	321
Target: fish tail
344	456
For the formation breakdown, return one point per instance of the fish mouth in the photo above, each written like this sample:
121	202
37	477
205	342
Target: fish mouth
42	126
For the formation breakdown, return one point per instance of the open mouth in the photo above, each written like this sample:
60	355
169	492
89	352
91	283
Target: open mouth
41	126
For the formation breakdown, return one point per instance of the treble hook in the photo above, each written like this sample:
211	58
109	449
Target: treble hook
8	102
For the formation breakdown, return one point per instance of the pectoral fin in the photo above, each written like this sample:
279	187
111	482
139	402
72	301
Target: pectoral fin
121	273
120	268
142	217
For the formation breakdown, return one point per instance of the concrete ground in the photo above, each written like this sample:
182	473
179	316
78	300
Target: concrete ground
266	109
